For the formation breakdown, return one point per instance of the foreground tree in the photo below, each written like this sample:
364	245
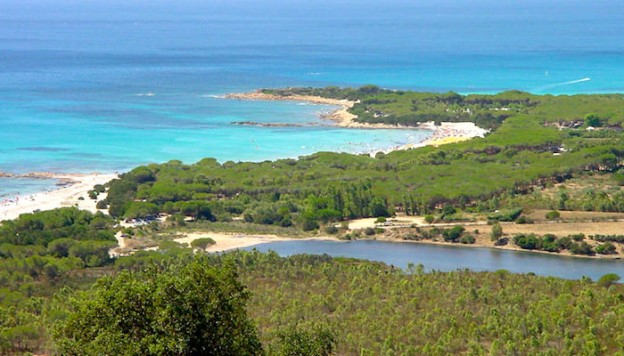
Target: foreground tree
187	308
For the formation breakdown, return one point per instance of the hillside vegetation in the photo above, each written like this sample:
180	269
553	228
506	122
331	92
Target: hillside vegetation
536	141
312	305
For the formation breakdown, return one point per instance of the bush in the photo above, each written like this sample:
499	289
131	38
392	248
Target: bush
176	219
619	177
309	225
468	239
380	220
453	235
606	248
593	120
553	215
497	231
102	204
608	279
369	231
524	220
331	230
203	243
429	219
527	242
582	248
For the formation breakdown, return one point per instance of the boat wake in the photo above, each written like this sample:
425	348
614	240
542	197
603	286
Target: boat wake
563	84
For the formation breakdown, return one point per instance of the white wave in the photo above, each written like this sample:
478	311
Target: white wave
212	96
149	93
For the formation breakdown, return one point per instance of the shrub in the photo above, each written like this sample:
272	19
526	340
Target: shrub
203	243
619	177
582	248
524	220
606	248
102	204
468	239
331	229
527	242
369	231
429	219
608	279
309	225
497	231
553	215
453	234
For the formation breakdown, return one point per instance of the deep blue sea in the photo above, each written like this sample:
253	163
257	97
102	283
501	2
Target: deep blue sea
105	85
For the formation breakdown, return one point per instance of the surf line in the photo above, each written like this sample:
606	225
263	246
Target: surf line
564	83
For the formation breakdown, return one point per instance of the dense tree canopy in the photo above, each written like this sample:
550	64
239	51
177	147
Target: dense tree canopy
535	140
189	309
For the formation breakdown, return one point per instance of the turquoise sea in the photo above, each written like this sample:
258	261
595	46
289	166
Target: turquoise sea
105	85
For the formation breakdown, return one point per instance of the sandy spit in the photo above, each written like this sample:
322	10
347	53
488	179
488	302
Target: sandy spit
447	132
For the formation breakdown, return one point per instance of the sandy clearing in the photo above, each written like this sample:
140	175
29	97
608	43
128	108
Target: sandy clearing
569	228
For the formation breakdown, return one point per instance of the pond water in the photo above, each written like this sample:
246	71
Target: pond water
449	258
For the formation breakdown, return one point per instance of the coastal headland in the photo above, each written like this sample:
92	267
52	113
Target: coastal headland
443	133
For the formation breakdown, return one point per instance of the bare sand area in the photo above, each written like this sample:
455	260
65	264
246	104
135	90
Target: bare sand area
225	242
73	187
568	228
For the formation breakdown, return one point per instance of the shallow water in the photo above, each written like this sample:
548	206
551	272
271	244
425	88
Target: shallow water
450	258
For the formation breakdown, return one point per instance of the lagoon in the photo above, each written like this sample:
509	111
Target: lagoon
450	258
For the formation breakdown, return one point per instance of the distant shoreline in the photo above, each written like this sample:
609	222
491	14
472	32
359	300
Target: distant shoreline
446	132
73	188
232	241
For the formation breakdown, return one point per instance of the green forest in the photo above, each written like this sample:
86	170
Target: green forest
535	141
58	298
62	292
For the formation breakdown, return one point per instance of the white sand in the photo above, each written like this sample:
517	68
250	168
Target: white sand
226	242
78	186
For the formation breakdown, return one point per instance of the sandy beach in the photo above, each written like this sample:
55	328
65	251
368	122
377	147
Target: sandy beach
224	241
446	132
74	186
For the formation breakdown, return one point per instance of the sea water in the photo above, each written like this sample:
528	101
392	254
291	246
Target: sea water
105	85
